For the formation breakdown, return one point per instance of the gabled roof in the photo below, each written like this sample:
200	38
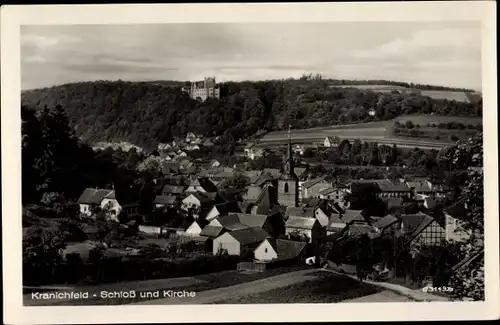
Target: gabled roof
287	249
252	173
385	221
164	199
173	189
353	216
356	230
204	183
300	222
231	222
422	187
335	218
274	172
299	171
252	220
328	191
211	231
202	197
261	179
95	196
228	207
313	182
413	224
267	198
249	236
300	212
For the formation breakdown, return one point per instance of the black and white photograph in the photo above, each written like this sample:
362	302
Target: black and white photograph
253	163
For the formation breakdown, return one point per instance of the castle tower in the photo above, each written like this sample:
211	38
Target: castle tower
288	184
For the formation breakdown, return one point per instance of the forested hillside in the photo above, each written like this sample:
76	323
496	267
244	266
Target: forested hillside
145	113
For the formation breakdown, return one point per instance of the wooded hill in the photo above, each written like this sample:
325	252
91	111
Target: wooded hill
145	113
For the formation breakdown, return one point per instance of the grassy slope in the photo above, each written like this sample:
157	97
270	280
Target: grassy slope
381	130
327	288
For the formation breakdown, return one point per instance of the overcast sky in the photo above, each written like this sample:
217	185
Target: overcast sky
433	53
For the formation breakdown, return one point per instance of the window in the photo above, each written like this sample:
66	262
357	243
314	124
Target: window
286	188
265	250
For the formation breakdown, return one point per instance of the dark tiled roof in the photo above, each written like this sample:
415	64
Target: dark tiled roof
249	236
164	199
313	182
288	249
203	197
231	222
356	230
352	216
385	221
252	220
204	183
173	189
210	231
413	224
327	191
95	196
267	198
300	222
228	207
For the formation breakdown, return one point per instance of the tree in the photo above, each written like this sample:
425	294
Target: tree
409	124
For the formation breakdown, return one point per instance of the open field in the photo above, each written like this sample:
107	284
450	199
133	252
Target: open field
458	96
325	288
381	132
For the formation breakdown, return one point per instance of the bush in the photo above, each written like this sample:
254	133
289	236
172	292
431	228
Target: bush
453	137
409	125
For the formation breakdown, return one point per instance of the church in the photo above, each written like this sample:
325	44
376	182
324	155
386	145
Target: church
288	184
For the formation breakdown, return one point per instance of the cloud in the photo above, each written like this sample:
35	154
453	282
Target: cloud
439	53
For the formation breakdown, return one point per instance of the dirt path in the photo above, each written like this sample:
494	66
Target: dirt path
243	289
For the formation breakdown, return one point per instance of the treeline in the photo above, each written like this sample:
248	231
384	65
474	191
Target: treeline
146	113
57	166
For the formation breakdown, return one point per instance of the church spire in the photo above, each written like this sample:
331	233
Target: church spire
289	162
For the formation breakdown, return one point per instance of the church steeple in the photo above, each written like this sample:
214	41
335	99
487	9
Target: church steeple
289	166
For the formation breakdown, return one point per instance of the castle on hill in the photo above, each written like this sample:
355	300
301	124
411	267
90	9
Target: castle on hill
202	90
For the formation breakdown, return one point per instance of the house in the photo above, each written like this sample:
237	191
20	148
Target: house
299	150
164	201
212	231
102	198
199	203
266	200
422	230
331	142
353	216
190	136
423	187
214	164
387	223
333	194
173	190
300	212
394	203
240	241
358	230
335	225
311	188
389	189
307	227
131	209
280	250
193	230
245	207
192	147
322	214
223	209
152	230
454	229
252	152
201	184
